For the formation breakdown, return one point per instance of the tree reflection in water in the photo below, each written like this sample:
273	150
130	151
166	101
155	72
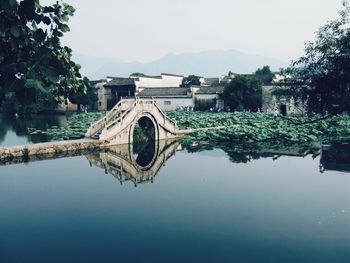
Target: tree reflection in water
247	152
143	152
143	168
20	126
335	157
140	163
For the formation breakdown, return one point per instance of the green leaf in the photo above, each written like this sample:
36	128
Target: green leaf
16	85
64	19
27	8
64	28
68	9
34	26
14	31
46	20
51	73
48	9
35	84
9	6
39	35
37	3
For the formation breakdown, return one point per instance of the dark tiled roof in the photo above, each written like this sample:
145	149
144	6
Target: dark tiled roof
94	82
211	90
212	81
165	92
120	82
137	74
172	75
225	79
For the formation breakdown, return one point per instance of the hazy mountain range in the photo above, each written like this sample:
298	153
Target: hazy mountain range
208	64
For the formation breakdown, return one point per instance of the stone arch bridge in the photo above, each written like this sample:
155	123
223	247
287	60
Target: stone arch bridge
117	127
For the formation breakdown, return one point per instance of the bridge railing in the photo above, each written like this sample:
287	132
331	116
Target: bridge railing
137	100
122	110
165	116
100	124
134	103
95	127
121	117
117	109
152	101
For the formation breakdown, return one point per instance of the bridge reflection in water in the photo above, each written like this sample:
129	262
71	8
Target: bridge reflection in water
138	162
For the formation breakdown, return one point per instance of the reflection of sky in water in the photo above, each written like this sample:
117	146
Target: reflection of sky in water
200	208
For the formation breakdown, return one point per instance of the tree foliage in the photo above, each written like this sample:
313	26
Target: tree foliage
322	76
36	71
191	80
243	92
264	74
86	97
137	74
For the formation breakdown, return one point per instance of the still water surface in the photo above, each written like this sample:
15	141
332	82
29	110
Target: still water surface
14	131
186	207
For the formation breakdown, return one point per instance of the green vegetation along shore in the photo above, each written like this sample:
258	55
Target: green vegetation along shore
260	127
239	127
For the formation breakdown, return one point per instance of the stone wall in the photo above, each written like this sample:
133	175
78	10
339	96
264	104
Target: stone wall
274	103
47	150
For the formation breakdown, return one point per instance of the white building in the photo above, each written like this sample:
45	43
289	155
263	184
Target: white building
163	81
170	98
171	80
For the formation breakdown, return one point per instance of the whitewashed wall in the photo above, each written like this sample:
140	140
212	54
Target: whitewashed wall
206	96
171	81
164	81
175	103
149	82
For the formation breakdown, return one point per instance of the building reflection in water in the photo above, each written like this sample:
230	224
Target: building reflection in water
335	157
138	163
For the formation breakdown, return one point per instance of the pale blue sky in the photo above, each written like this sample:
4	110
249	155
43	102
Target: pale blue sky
146	30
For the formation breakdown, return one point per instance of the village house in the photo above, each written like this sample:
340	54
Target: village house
165	80
195	97
210	82
166	90
111	90
208	98
169	98
277	99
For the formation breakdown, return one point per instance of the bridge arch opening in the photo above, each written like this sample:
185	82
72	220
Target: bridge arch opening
144	139
144	130
144	153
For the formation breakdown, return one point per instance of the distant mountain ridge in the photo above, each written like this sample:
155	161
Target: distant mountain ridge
208	64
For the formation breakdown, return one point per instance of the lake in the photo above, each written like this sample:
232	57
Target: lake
163	203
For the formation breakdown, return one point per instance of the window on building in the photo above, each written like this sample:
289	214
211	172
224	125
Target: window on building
167	102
